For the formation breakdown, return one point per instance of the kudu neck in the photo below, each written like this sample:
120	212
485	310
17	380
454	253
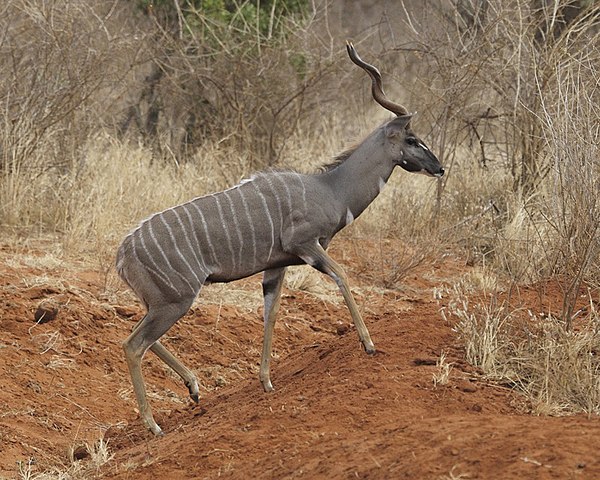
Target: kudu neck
358	180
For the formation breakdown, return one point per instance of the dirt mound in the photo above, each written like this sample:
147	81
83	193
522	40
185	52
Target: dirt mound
336	411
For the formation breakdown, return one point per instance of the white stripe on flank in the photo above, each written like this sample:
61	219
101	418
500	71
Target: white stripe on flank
251	223
189	244
226	230
264	202
277	200
289	201
299	177
156	270
206	231
236	222
165	258
178	250
198	255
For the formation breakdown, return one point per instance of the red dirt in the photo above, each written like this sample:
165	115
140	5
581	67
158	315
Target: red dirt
336	412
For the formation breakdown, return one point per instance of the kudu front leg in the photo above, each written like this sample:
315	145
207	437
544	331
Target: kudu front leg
134	355
272	283
316	256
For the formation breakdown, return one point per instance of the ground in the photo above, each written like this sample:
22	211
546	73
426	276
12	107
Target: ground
336	412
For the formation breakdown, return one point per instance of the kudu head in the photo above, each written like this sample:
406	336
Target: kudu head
405	148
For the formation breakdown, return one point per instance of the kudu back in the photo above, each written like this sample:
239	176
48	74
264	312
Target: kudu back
264	224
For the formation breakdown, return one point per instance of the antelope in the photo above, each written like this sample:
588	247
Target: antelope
266	223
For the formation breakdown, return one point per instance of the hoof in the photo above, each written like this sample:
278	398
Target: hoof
155	429
268	386
194	391
370	349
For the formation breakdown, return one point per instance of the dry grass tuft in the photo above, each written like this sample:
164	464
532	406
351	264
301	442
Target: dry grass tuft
479	327
83	462
556	367
442	375
452	475
307	279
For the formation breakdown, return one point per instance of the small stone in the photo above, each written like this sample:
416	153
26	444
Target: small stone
424	361
125	312
467	387
46	311
342	329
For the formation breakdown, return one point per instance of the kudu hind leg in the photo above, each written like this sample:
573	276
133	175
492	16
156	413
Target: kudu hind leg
272	283
189	379
153	326
316	256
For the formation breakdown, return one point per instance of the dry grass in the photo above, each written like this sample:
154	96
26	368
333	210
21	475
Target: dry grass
84	460
516	126
480	328
453	475
307	279
556	367
442	375
533	110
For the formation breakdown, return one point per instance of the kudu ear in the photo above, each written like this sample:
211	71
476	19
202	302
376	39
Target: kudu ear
398	125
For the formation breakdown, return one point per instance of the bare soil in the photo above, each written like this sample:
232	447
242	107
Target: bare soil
336	411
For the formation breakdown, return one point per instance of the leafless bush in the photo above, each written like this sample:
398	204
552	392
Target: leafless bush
62	64
572	132
488	66
212	80
72	69
56	58
511	93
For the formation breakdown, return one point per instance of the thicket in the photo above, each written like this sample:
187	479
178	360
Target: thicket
517	85
231	71
113	110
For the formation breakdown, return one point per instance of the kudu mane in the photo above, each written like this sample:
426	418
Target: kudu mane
338	159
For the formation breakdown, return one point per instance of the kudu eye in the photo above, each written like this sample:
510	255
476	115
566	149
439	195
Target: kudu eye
412	141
